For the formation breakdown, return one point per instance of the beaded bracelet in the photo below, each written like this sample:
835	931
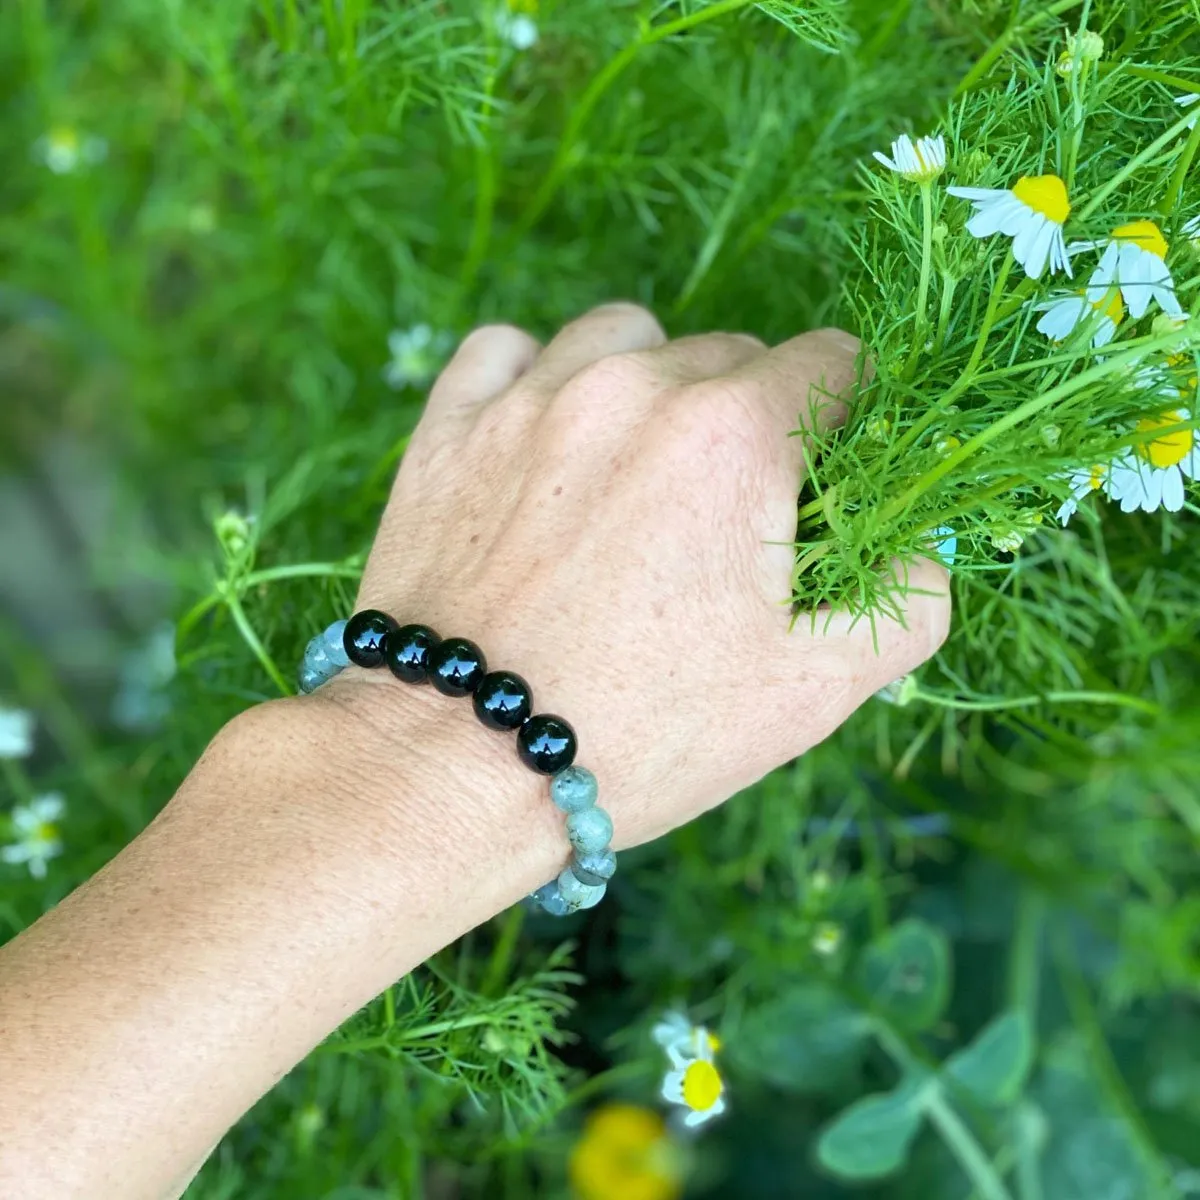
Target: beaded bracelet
503	701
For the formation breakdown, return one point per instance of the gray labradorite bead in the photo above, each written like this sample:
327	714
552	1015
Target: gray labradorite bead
590	831
335	648
595	868
311	677
573	789
549	898
579	895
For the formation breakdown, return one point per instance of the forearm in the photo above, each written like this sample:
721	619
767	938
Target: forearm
290	880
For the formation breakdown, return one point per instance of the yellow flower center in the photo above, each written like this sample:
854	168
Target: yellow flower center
714	1042
1169	449
1145	234
1045	194
624	1154
45	831
701	1086
1111	306
1096	477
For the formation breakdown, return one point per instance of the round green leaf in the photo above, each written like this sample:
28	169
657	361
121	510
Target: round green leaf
807	1039
872	1137
907	974
994	1067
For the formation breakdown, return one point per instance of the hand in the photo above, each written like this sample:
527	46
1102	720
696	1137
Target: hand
613	517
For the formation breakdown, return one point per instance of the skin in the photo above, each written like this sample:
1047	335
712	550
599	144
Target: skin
611	517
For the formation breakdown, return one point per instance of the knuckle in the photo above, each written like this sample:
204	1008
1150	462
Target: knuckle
494	337
628	316
626	371
721	418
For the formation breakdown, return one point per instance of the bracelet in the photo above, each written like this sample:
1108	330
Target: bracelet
503	701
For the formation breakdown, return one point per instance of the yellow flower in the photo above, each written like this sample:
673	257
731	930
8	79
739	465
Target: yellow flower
1154	474
1032	212
624	1153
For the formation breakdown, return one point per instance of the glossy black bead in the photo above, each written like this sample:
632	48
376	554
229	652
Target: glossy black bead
406	652
456	666
503	700
365	635
546	744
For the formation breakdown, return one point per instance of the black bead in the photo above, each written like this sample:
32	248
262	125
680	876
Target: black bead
546	744
407	652
503	700
456	666
365	635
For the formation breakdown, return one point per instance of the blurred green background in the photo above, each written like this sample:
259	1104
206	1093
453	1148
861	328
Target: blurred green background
236	241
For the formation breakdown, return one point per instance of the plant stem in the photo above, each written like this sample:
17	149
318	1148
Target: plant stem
989	317
233	602
1006	39
1181	169
1139	159
1117	362
962	1144
926	268
501	960
1023	959
604	79
949	284
1120	699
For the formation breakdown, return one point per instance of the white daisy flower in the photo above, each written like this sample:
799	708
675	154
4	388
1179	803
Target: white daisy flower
827	939
36	834
16	733
515	24
416	353
64	150
1191	229
694	1081
676	1034
1152	475
922	160
1032	212
1134	260
1184	101
1063	314
1083	481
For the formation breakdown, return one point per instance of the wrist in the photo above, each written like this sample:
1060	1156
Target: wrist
410	795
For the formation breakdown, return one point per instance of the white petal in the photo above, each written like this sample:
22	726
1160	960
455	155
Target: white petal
1031	246
17	853
1061	317
1154	490
1060	260
997	216
887	162
977	194
48	807
37	868
1067	510
1172	489
672	1087
1106	330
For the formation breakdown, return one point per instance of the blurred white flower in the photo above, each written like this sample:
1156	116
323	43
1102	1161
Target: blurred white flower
416	353
63	149
142	701
1184	101
35	834
693	1081
518	29
16	733
827	939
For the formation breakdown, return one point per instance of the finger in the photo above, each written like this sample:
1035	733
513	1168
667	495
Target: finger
692	359
607	330
803	385
846	659
489	360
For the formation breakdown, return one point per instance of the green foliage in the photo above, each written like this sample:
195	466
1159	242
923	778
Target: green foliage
994	1068
906	974
873	1136
1009	850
